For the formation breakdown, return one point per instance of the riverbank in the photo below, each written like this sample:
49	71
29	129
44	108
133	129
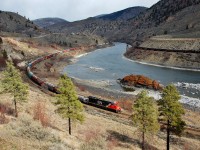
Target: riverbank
160	65
50	69
173	60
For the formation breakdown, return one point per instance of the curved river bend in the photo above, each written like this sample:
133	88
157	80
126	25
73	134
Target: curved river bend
109	64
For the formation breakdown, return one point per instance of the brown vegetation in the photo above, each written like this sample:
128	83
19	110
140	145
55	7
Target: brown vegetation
126	104
2	62
137	80
41	114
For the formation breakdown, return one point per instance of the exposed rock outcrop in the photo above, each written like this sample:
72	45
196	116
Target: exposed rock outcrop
140	81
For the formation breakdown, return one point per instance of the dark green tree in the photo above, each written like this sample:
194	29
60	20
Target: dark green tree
187	27
70	45
97	41
171	111
12	83
5	55
1	41
68	104
165	32
145	115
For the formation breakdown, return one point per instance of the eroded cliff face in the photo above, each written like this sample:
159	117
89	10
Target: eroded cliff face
183	53
174	59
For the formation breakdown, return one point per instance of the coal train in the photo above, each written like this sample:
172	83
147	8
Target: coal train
100	103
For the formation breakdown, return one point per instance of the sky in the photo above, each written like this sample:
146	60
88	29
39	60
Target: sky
70	10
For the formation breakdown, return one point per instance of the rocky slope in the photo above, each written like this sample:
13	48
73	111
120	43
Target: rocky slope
14	23
174	59
169	43
46	22
176	52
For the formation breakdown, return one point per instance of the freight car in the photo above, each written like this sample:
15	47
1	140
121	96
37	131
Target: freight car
51	88
100	103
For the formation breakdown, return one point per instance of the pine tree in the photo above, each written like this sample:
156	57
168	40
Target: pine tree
145	115
5	55
12	83
97	42
1	41
68	104
171	111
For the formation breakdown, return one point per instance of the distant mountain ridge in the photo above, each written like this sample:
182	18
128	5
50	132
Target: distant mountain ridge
46	22
99	24
164	17
124	14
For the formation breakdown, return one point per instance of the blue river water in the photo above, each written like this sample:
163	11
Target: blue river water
109	64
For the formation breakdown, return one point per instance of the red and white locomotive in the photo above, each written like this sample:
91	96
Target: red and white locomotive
100	103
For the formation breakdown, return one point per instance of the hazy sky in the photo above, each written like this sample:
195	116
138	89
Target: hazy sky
70	10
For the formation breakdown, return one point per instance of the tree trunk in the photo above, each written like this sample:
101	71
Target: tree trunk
69	126
168	134
142	140
143	131
16	113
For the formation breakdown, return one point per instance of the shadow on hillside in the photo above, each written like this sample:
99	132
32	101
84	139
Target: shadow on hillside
193	135
127	140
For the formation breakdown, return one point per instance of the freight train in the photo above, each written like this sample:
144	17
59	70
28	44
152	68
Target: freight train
103	104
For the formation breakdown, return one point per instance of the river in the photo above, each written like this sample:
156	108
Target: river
108	64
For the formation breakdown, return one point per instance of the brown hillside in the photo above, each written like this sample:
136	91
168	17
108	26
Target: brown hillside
14	23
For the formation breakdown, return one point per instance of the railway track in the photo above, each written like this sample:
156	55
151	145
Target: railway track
168	50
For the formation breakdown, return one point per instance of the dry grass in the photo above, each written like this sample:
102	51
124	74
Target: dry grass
126	104
96	132
26	127
5	145
40	114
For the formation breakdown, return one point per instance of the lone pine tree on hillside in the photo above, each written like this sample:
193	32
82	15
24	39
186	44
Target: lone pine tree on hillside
12	83
145	115
171	111
68	104
1	41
